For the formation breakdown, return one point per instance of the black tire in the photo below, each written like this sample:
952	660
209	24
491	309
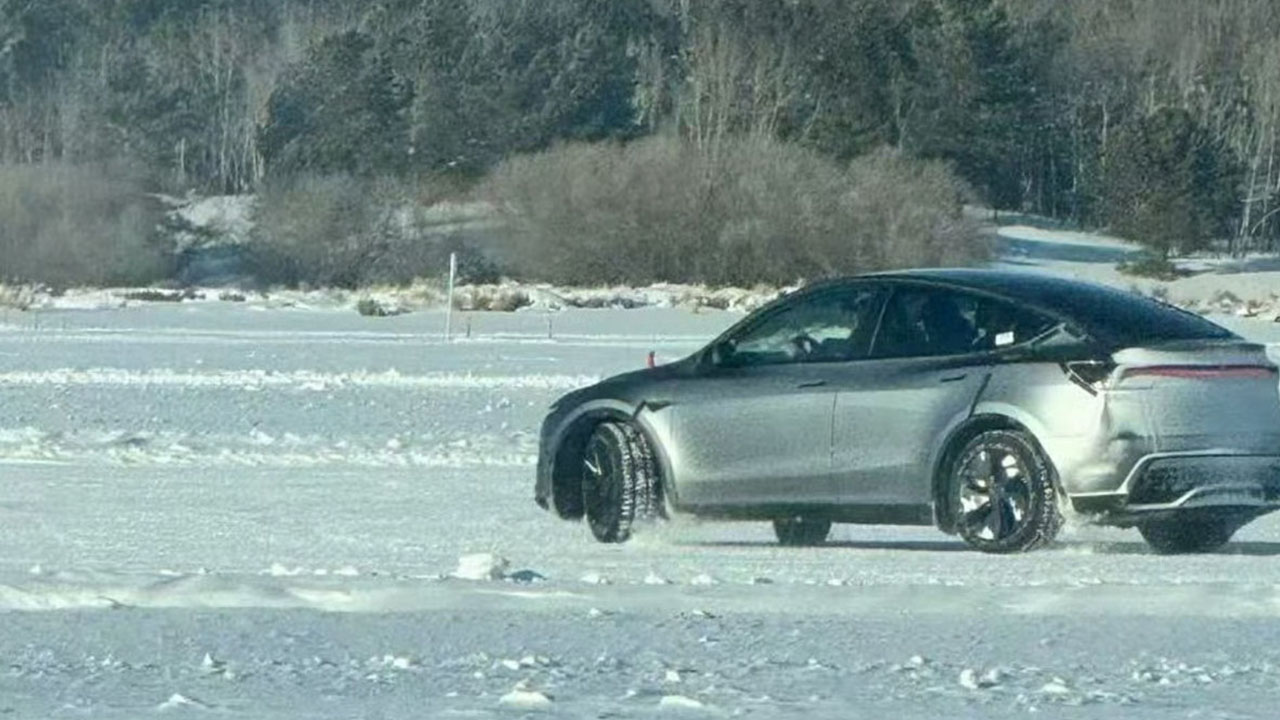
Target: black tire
1003	493
1175	536
619	481
799	532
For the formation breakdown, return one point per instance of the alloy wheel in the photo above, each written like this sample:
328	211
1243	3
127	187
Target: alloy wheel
995	498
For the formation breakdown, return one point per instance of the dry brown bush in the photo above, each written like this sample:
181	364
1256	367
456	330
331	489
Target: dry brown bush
346	231
77	225
17	297
659	210
327	230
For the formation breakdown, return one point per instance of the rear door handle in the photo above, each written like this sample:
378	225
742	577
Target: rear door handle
954	378
812	383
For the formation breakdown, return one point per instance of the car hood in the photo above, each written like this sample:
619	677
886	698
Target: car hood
622	385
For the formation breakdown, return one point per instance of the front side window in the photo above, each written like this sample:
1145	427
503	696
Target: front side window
831	326
929	322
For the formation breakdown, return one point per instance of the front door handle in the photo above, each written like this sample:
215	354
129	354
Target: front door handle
812	383
954	378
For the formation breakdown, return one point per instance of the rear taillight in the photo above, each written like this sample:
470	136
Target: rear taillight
1203	372
1092	375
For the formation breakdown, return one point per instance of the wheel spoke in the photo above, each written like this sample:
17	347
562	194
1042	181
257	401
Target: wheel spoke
977	516
996	519
973	498
1010	516
1018	496
993	467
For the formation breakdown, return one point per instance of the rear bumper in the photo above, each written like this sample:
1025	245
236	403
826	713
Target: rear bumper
1165	484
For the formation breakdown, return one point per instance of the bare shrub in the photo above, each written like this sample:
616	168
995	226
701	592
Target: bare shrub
17	297
320	230
77	225
377	307
494	298
756	211
350	232
153	295
907	213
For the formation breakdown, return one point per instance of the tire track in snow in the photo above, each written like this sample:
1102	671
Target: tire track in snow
125	448
294	379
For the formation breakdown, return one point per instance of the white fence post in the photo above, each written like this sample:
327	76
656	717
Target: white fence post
448	311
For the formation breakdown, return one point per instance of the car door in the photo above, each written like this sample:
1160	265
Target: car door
753	427
927	365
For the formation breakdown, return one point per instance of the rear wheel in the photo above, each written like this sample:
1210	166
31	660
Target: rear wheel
1003	494
800	532
1171	537
619	481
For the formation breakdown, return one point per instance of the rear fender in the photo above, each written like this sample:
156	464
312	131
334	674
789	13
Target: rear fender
986	416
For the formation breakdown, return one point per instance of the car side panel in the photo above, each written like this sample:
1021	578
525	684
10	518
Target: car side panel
1074	427
761	435
889	418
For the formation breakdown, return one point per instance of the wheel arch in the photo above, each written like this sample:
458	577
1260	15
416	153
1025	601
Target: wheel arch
974	426
566	478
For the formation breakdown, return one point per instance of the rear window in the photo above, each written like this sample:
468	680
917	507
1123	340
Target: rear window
1131	319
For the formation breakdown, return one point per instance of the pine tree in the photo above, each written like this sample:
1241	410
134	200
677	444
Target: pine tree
1170	184
342	109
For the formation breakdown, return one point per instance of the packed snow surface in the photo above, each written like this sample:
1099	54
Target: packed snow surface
217	510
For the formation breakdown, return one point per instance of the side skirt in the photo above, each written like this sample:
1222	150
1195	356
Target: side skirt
854	514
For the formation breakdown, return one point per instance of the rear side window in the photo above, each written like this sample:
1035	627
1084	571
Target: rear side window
1000	324
927	322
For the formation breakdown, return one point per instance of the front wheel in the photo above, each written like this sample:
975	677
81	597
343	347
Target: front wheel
1172	537
800	532
619	481
1003	493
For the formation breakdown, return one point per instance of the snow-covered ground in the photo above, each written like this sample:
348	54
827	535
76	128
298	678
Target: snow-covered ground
1248	286
228	509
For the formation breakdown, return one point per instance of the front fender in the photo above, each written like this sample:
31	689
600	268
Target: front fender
564	434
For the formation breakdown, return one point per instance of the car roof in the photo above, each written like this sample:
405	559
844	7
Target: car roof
1107	313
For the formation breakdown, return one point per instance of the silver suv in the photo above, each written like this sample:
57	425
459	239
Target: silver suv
979	401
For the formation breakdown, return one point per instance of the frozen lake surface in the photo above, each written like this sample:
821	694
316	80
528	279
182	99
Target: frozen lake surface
212	510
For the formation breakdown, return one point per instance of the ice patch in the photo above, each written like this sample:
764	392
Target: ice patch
1056	687
178	701
522	698
259	449
679	703
481	566
972	680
